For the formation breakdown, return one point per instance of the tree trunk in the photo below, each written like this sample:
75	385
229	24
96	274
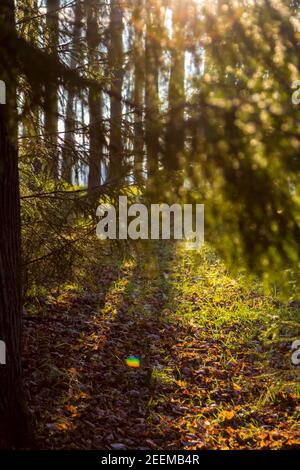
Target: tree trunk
175	123
115	60
96	131
138	143
152	111
13	426
51	89
69	150
13	422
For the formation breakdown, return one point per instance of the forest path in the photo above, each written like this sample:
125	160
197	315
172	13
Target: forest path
204	381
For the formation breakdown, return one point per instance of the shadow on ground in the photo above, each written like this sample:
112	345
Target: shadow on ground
82	393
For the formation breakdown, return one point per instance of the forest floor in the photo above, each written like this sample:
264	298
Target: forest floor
210	376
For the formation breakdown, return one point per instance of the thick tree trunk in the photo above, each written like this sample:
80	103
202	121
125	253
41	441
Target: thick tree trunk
13	422
138	143
68	154
51	89
96	131
152	111
13	427
115	59
175	124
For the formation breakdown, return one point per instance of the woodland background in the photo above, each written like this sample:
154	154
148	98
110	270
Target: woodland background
170	101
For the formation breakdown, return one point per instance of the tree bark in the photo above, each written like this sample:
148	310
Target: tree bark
13	422
174	145
95	102
115	60
138	58
69	150
51	89
152	108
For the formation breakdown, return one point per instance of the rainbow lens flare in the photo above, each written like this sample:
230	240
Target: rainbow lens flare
133	361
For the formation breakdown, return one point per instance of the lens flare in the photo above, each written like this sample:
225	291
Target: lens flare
133	361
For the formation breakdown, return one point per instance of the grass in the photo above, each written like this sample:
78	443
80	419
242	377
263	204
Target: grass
214	348
231	318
